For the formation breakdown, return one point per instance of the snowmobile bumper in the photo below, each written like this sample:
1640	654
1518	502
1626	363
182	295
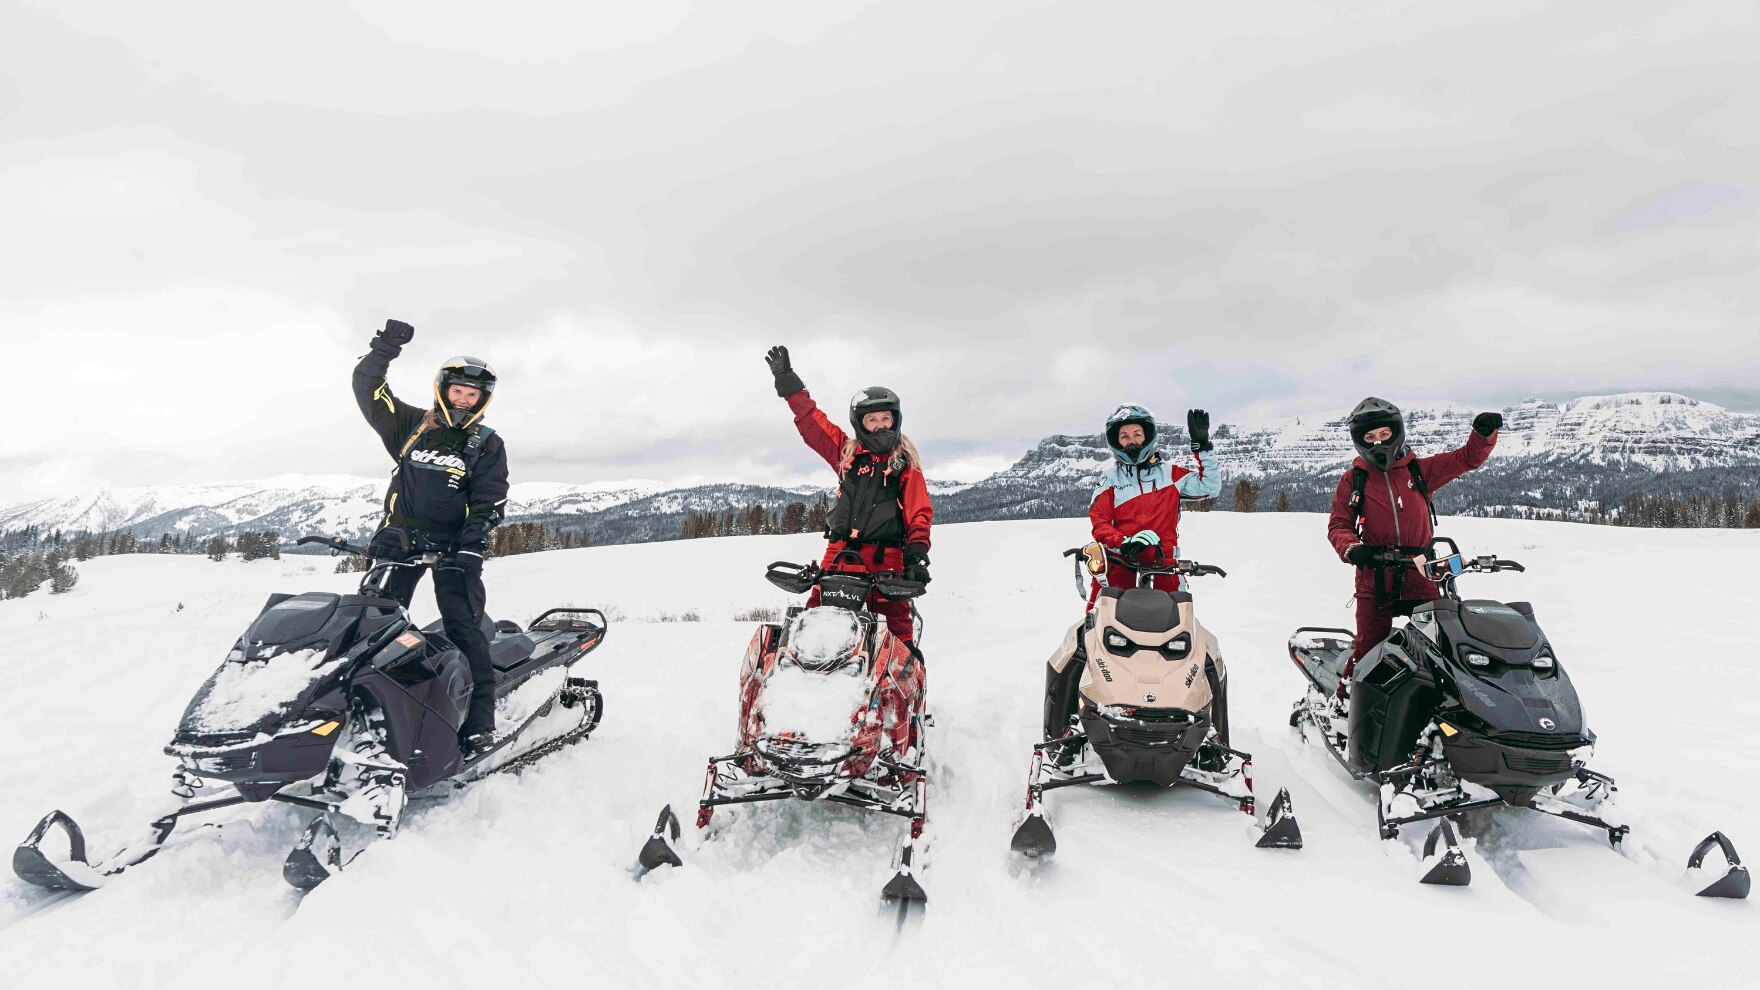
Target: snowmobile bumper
1144	744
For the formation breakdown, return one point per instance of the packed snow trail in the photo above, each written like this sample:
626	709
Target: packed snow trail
527	879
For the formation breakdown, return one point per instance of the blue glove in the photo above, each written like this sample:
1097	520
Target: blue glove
1139	542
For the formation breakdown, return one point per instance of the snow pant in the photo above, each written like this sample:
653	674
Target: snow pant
461	597
1375	622
874	558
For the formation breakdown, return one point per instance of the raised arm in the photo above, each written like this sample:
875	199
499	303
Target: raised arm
390	417
1206	481
815	427
1440	469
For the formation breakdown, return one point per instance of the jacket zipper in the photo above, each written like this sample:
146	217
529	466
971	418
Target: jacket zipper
1393	503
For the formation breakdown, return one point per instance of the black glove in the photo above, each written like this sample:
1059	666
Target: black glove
916	562
787	382
468	561
1488	423
390	340
1198	428
1361	555
391	543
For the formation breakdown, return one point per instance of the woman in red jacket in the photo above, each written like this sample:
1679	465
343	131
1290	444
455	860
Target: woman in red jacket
1383	503
882	511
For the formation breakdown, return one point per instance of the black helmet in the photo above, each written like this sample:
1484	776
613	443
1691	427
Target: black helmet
1373	413
1124	416
463	370
876	399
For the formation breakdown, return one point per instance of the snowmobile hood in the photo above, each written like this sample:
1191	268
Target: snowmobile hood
1482	656
284	660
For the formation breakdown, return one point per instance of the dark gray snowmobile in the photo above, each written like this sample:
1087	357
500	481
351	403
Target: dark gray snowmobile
341	705
1466	708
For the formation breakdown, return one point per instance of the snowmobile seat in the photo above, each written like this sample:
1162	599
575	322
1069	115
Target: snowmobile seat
1146	609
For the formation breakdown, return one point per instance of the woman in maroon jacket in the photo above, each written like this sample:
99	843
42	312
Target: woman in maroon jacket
882	511
1382	503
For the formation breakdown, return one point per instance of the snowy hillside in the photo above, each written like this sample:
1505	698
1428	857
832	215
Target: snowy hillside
526	880
291	505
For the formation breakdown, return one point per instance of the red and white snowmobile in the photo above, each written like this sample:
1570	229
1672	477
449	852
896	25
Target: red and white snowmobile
831	709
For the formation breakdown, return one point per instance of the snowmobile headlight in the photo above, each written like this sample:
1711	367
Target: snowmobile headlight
1475	658
1118	643
1177	647
1544	662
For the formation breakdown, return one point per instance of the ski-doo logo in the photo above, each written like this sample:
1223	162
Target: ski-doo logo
1148	699
438	458
1103	671
1191	675
1548	724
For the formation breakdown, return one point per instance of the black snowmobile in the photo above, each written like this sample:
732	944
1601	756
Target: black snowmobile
1138	693
1465	708
341	705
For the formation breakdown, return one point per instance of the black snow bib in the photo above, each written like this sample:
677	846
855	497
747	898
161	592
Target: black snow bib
869	507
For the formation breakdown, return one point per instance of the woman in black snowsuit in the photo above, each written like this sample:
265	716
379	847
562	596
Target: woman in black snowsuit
447	492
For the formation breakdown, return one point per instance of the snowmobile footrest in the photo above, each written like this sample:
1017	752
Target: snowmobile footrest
1033	837
1282	831
657	852
1451	868
1733	884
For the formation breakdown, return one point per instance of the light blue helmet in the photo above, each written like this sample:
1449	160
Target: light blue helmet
1126	414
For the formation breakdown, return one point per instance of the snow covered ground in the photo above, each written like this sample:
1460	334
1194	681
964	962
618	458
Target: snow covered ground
527	880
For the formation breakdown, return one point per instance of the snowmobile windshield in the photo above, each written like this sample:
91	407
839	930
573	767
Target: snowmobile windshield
254	695
1496	624
293	621
824	639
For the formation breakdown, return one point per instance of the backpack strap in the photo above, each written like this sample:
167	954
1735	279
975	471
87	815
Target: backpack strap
1423	490
1359	478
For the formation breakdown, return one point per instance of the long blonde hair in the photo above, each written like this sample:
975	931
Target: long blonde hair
904	456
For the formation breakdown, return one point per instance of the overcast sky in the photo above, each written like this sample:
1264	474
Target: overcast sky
1015	214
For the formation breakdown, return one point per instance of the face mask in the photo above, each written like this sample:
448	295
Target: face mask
1133	451
881	441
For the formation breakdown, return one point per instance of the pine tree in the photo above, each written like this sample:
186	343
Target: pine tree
1282	502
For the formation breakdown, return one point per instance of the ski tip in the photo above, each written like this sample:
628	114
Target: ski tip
36	867
904	887
656	852
1283	833
1735	882
315	858
1450	869
1033	838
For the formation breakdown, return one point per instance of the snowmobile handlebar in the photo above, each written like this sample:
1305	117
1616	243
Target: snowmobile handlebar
798	579
1182	568
336	543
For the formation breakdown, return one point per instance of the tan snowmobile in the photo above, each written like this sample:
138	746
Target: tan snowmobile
1137	691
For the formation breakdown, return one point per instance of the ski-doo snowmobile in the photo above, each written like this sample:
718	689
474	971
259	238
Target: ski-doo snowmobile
341	705
831	709
1137	692
1466	707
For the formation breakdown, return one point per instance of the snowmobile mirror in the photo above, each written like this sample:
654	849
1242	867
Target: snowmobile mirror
1447	566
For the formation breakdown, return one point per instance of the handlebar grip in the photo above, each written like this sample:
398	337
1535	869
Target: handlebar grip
302	541
1511	565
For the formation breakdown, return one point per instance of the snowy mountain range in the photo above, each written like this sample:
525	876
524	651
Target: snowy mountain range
1550	454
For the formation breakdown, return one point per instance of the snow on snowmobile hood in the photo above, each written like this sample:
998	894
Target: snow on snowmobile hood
253	695
819	681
